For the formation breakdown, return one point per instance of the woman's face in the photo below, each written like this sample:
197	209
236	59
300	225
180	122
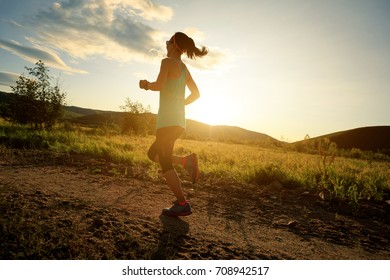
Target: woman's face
170	47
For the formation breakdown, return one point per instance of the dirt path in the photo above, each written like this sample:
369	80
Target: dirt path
59	208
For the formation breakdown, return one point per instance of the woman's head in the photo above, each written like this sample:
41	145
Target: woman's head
185	44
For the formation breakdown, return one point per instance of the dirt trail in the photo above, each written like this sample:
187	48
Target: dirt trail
80	214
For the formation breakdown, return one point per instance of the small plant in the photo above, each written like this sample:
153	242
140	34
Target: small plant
327	152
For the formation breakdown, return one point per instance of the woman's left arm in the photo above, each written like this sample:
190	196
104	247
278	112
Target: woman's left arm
193	89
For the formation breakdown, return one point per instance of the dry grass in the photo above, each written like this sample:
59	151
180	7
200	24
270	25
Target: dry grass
343	178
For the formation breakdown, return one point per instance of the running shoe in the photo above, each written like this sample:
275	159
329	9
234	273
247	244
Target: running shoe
192	167
178	210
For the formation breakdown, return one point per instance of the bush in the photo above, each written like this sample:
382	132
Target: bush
136	118
271	172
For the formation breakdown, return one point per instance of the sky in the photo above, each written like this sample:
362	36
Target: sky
286	68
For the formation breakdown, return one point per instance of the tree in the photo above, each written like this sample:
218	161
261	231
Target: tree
135	117
35	101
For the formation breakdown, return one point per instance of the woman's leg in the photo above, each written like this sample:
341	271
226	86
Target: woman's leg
167	138
182	207
174	184
161	151
189	163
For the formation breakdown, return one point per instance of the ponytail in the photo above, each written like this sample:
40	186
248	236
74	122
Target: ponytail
186	44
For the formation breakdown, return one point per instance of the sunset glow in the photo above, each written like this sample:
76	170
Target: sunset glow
212	109
284	68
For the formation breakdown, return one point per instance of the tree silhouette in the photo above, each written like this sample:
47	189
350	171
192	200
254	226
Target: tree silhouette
135	118
35	101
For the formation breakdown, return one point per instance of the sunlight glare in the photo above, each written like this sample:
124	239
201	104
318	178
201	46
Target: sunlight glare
211	109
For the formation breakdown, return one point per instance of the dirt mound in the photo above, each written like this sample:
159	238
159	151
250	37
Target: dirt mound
57	207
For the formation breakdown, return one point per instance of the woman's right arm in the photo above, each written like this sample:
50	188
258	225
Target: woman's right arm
161	79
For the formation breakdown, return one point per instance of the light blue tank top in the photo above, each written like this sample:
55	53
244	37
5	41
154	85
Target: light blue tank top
171	111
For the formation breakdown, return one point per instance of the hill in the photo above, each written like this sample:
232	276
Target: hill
373	138
91	117
79	112
201	131
195	130
4	97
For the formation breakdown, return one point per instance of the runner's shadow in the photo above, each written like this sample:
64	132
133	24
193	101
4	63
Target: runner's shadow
173	238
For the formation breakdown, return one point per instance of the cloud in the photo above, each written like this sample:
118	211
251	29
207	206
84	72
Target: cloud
112	28
216	58
8	78
12	23
118	30
33	54
150	11
195	34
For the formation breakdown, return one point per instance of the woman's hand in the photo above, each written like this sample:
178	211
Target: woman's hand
143	84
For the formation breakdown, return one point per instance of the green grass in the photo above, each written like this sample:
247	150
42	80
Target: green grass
344	178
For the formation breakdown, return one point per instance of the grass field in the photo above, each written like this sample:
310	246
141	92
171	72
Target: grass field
341	178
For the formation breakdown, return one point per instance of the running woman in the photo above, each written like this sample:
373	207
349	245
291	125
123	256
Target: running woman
171	83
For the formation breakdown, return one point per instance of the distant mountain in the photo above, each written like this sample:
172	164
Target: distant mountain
78	111
97	119
194	130
198	130
374	138
4	96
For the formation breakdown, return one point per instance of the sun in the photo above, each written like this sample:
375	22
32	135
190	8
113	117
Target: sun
211	109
